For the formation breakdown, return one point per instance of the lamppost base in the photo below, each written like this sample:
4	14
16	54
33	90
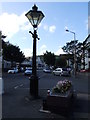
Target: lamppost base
34	86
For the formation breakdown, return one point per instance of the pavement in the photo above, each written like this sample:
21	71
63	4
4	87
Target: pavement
20	103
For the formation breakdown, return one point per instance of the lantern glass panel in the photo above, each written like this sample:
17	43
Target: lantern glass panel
35	17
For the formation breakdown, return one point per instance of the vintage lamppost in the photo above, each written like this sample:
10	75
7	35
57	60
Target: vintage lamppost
35	18
74	50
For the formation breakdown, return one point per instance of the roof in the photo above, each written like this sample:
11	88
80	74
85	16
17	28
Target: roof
87	42
87	38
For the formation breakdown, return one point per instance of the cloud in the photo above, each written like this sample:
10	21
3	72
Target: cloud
10	24
45	27
52	28
43	49
66	28
27	52
59	51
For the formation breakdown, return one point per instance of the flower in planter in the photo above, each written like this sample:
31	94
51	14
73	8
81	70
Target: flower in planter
62	86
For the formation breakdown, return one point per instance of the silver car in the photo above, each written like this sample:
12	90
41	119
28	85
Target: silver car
65	72
13	71
28	71
57	71
47	70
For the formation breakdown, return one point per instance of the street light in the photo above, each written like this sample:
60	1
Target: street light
35	18
74	50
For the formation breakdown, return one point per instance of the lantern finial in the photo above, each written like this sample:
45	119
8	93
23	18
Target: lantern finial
34	8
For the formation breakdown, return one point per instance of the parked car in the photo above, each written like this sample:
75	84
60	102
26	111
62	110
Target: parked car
65	72
28	71
13	71
47	70
57	71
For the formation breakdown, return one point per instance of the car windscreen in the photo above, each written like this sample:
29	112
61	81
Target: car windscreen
64	69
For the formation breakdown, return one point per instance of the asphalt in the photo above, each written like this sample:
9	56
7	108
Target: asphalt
21	104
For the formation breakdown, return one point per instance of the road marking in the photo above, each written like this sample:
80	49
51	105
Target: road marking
21	85
45	111
16	87
42	76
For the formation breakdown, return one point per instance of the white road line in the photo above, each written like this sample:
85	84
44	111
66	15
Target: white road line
16	87
42	76
21	85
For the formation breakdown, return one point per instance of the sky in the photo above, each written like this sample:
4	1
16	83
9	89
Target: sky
59	16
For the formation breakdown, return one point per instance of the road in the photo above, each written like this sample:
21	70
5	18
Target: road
46	81
17	105
19	80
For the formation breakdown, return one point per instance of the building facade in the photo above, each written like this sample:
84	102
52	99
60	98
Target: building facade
28	62
86	54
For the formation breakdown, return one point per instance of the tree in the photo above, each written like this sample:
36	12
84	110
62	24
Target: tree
12	53
49	58
70	46
78	47
61	62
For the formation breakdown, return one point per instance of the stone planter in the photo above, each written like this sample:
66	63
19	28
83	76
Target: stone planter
59	102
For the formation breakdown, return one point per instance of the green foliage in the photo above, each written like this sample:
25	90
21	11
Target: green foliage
78	47
69	47
12	53
61	62
49	58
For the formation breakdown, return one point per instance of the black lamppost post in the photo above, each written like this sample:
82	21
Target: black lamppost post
35	18
74	50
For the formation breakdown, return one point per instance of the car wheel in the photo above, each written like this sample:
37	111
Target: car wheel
60	74
54	74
